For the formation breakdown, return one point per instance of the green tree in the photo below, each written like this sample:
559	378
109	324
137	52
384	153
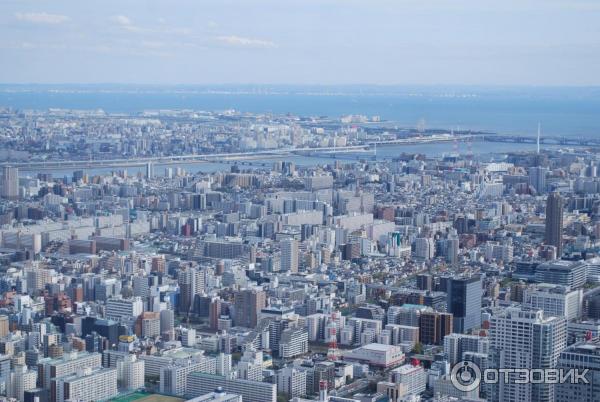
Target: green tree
418	348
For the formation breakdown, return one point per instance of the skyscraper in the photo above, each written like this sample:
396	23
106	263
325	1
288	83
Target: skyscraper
464	302
149	170
523	339
289	255
10	183
537	178
191	282
554	222
247	303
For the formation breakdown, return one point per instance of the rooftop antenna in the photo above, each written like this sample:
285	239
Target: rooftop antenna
538	137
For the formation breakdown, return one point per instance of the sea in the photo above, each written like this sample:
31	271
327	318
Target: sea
561	111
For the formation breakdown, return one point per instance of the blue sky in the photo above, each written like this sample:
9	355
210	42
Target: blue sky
450	42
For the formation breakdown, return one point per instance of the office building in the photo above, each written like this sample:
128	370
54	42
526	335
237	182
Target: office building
424	248
118	308
525	339
434	326
582	356
456	345
289	255
554	222
571	274
555	300
464	302
247	304
9	185
537	178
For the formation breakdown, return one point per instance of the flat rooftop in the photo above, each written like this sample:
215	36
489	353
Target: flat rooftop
146	397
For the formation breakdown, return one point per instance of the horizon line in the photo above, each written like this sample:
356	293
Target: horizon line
391	85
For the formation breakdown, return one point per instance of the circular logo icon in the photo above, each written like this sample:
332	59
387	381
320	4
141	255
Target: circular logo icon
465	376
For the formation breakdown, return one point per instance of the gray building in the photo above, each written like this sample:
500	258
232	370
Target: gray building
464	302
251	391
554	222
585	355
567	273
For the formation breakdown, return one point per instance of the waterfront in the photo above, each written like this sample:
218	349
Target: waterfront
480	150
569	111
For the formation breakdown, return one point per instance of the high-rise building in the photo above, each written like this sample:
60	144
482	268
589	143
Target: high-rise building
434	326
289	255
117	308
555	300
291	382
87	385
582	356
69	364
537	178
130	372
173	378
456	345
412	377
4	328
167	321
149	170
5	363
191	282
22	379
251	365
554	222
214	312
521	338
571	274
9	185
424	248
293	342
251	391
464	302
452	249
247	304
425	282
224	365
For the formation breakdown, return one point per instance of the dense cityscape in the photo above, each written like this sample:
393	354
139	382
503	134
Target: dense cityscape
299	201
285	259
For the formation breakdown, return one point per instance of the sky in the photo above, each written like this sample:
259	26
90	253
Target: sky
327	42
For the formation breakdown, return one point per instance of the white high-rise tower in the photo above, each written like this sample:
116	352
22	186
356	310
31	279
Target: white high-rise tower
522	338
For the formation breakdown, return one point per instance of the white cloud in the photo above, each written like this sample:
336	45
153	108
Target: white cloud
121	20
42	18
240	41
152	44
